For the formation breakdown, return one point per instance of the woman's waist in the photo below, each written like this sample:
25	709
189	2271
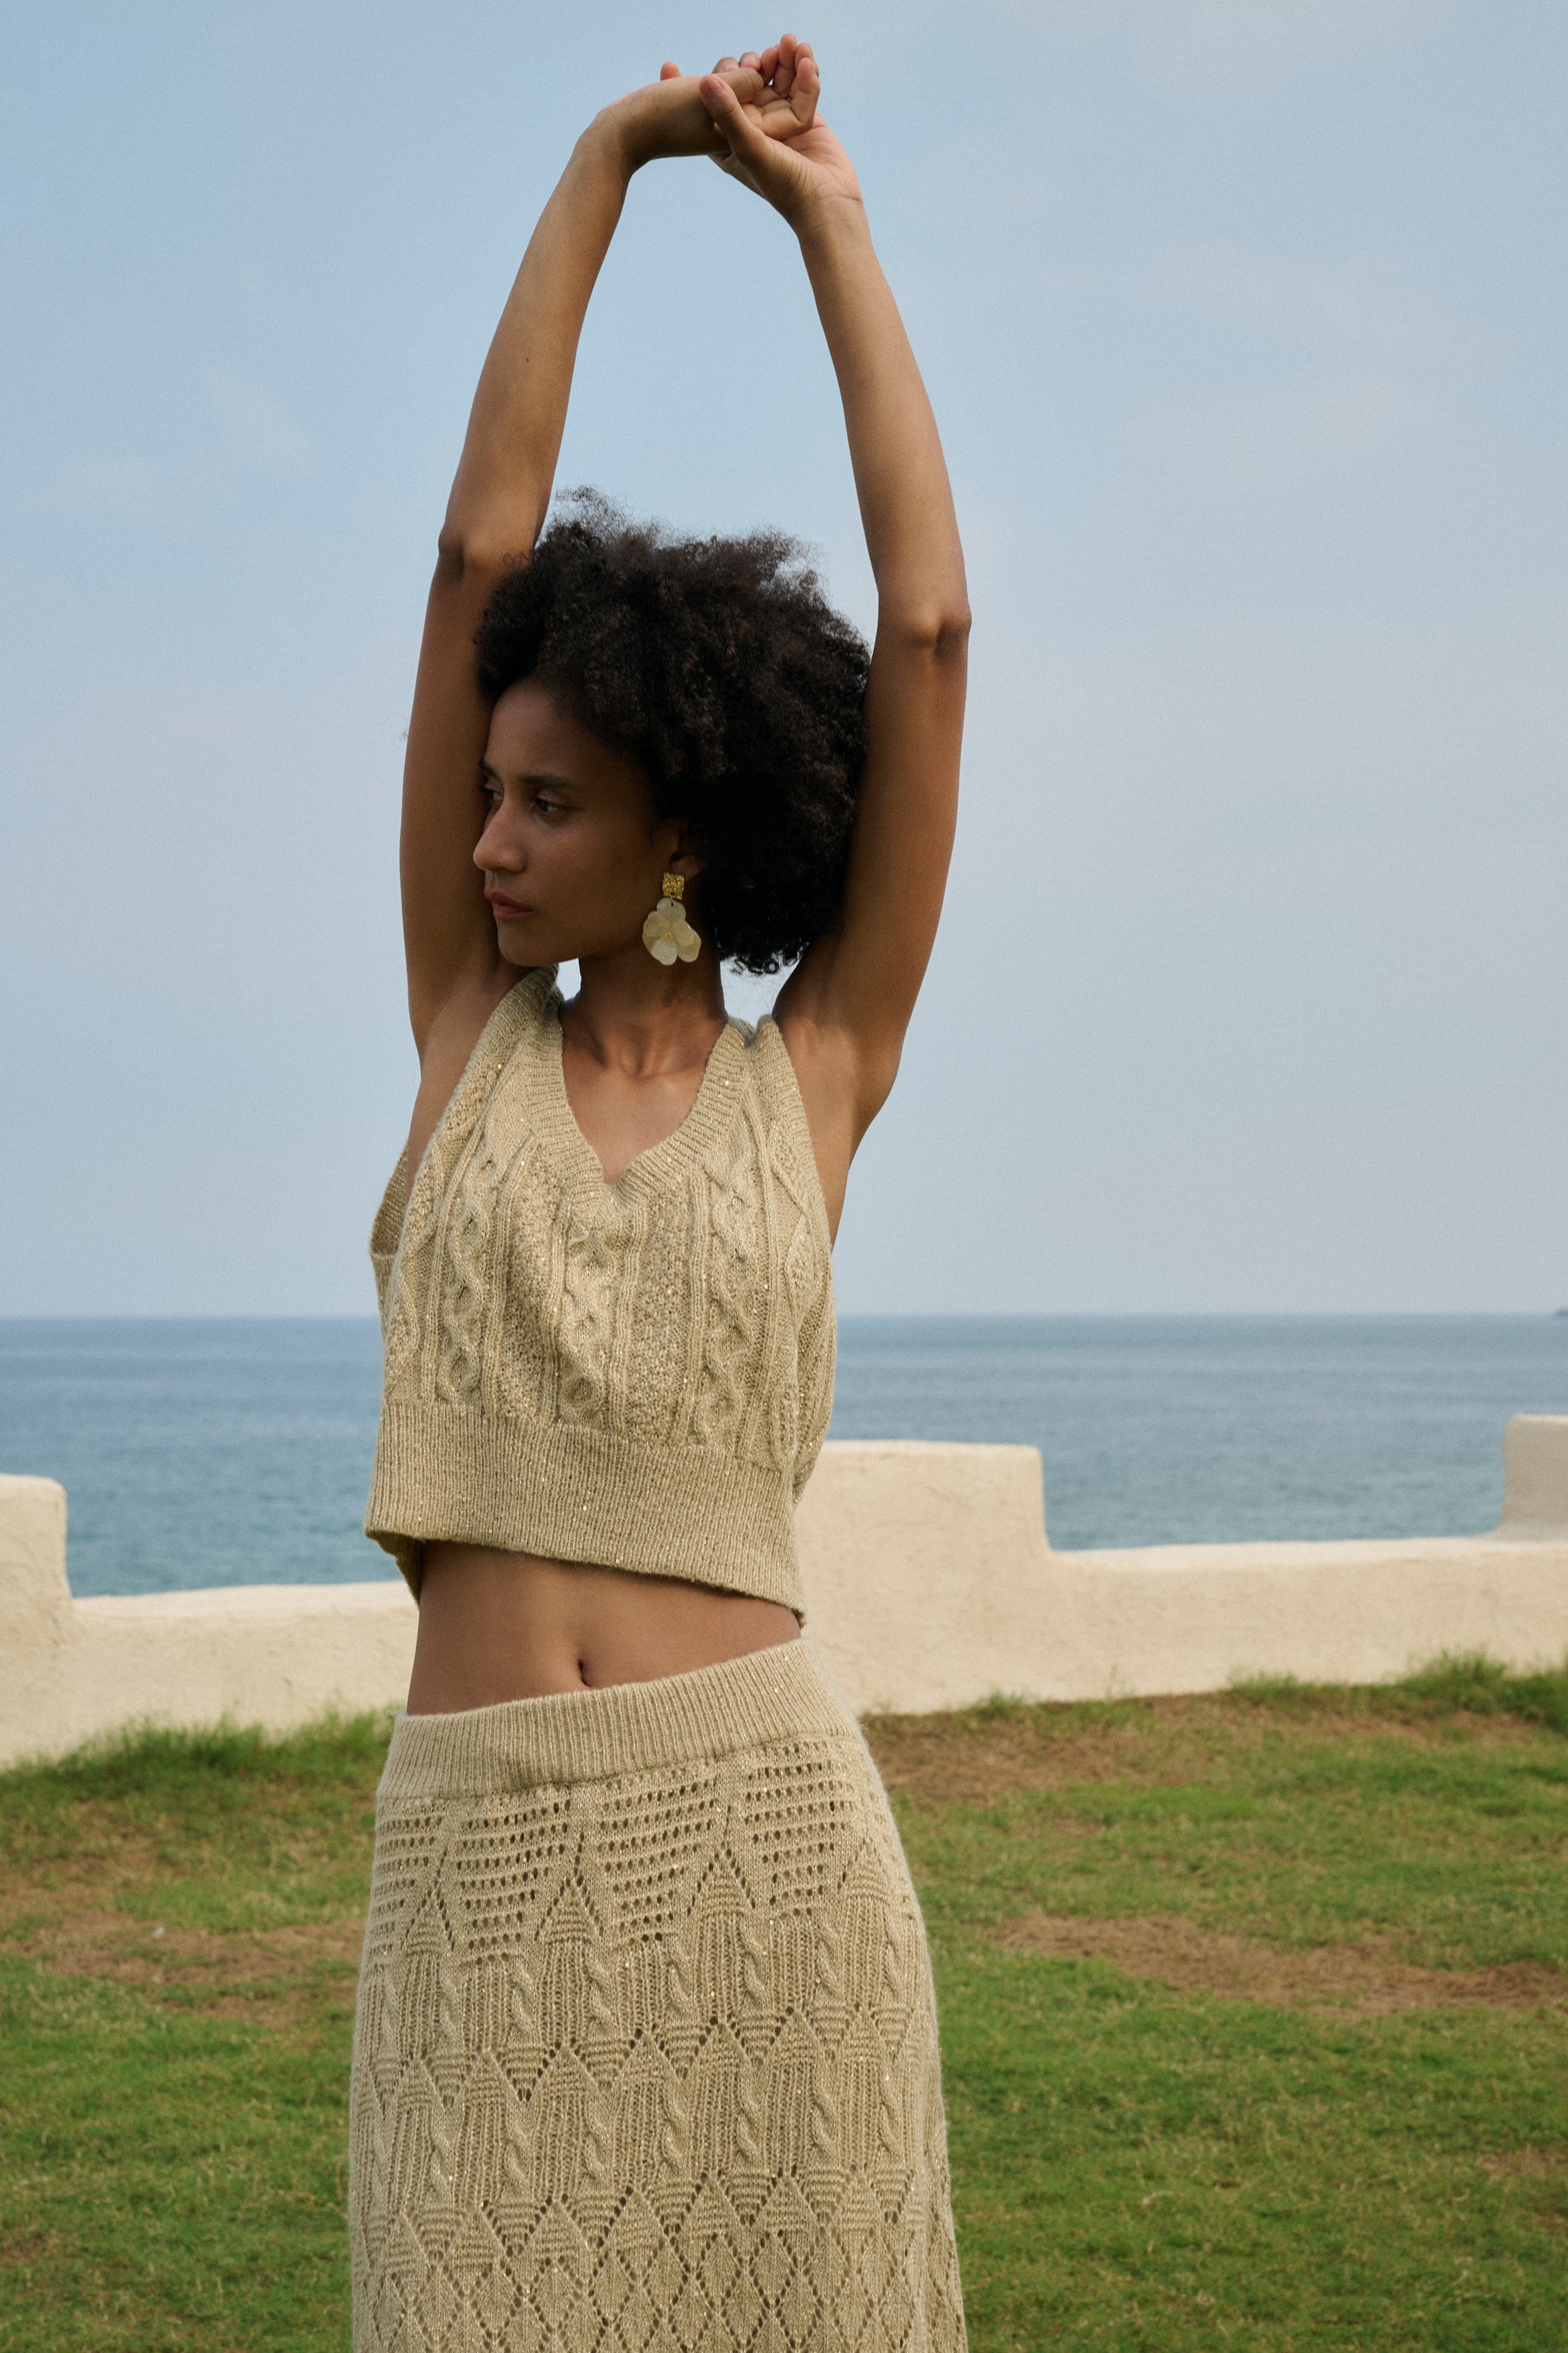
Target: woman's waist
778	1695
498	1625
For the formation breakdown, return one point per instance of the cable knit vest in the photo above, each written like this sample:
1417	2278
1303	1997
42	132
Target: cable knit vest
637	1374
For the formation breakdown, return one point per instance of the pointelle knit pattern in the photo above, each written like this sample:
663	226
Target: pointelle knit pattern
645	2055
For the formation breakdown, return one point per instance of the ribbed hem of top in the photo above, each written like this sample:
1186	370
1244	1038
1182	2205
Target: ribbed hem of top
565	1737
445	1476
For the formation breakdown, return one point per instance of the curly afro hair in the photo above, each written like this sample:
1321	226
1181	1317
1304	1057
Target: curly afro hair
718	666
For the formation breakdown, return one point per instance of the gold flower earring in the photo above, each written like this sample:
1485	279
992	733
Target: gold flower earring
666	933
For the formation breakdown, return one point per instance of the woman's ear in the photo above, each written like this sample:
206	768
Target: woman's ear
684	858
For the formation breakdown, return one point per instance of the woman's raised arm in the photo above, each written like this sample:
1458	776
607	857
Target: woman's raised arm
498	505
845	1008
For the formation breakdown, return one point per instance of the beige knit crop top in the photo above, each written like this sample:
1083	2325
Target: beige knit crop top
637	1374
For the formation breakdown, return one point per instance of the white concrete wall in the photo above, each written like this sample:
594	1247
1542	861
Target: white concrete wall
272	1654
930	1583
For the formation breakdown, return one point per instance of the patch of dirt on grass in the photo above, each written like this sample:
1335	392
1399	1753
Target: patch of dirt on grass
978	1755
269	1975
95	1859
1356	1979
948	1759
102	1841
1541	2171
1514	2164
58	1906
29	2249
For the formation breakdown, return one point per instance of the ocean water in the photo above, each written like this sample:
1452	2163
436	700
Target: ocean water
222	1452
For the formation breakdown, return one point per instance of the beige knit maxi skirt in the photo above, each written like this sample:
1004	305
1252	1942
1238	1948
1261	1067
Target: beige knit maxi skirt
645	2054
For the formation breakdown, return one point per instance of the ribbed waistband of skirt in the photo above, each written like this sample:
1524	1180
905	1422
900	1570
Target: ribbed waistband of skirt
591	1736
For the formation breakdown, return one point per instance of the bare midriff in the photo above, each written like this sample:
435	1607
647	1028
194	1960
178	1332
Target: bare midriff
496	1626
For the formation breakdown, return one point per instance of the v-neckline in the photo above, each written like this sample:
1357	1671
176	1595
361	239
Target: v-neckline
710	1109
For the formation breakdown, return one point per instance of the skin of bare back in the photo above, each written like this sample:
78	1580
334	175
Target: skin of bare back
528	841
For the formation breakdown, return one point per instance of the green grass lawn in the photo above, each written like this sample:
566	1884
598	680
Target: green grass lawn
1254	2011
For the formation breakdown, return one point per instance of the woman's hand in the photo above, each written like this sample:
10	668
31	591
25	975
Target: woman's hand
670	117
773	142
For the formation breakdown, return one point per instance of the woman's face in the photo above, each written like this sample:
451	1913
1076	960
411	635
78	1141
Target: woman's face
571	855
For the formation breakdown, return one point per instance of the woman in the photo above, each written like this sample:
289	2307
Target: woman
646	2050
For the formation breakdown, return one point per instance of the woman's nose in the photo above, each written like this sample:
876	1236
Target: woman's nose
494	852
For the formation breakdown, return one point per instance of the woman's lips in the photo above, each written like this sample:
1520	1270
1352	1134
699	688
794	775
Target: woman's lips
506	909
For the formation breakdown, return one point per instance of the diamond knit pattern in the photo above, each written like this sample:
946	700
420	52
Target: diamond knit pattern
645	2061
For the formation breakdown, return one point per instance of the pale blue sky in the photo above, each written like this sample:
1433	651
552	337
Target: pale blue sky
1245	329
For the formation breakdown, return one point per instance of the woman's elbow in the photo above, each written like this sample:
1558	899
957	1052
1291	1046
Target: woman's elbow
466	558
939	629
952	630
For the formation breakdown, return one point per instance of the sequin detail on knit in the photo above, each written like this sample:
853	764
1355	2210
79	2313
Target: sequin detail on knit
648	2060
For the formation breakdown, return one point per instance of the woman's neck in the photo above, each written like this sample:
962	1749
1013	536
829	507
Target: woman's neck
647	1021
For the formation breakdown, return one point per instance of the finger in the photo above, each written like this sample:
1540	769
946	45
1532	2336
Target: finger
726	65
670	70
768	63
751	59
782	75
746	142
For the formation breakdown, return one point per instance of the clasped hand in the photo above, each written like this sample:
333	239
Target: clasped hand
754	116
